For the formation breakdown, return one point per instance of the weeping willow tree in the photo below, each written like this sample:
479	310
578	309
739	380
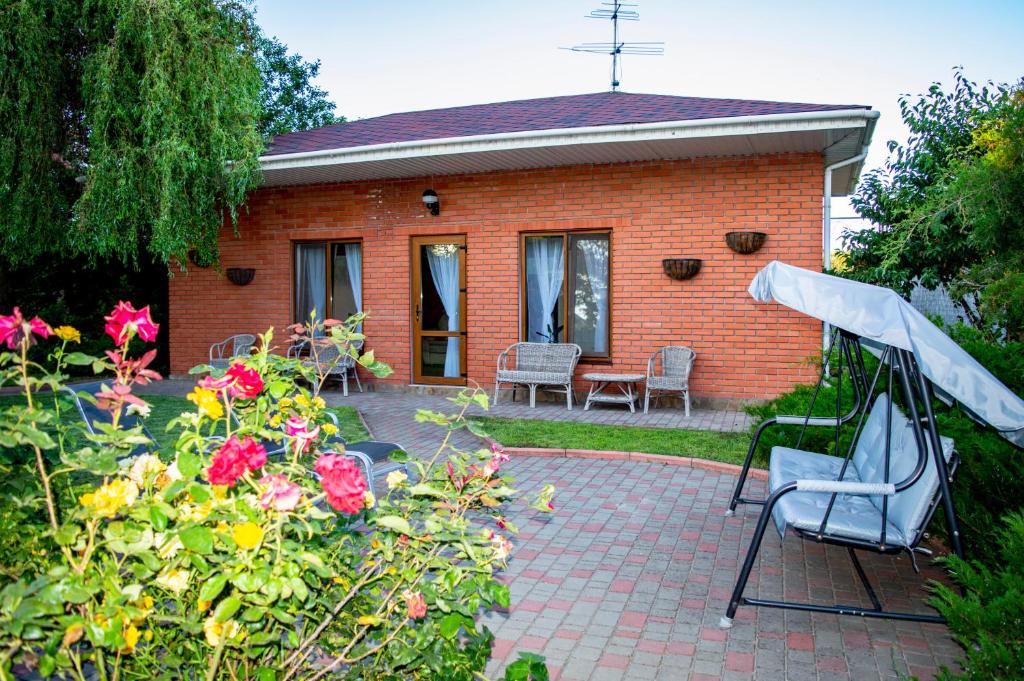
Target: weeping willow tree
128	125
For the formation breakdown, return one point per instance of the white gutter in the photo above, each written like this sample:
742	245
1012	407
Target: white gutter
826	216
603	134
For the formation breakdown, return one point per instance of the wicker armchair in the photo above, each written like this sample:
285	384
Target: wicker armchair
329	358
538	364
676	365
240	345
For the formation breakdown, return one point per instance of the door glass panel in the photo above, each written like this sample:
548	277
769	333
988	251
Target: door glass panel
545	267
436	356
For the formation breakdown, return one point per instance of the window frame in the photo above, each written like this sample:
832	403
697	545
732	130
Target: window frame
568	319
328	275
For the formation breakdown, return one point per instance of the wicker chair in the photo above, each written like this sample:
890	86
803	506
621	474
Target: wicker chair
538	364
676	364
240	345
329	358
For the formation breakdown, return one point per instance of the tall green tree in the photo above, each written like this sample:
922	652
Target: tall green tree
126	123
946	206
289	99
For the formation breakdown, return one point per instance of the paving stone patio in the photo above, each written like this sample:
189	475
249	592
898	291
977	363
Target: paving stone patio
628	578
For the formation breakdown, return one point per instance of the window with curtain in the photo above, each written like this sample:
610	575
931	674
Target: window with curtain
566	293
329	279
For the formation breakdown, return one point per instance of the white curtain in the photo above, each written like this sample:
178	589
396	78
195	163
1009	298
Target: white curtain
595	253
545	268
310	281
444	270
354	261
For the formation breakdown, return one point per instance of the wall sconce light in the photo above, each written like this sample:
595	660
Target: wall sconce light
432	202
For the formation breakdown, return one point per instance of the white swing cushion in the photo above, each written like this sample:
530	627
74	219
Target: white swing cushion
857	516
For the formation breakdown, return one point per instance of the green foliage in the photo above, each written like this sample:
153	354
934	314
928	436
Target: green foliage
948	206
126	123
987	619
701	444
288	98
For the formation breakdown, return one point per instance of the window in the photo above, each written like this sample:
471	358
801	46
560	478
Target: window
565	290
328	279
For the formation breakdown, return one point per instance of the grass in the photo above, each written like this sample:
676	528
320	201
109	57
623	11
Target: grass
166	407
700	444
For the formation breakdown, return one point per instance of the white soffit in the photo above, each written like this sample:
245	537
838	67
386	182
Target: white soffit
839	135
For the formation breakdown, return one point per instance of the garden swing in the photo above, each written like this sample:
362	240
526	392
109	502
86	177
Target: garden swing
882	494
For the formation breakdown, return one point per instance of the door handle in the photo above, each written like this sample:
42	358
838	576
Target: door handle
417	313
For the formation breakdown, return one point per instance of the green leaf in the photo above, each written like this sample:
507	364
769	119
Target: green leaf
188	464
200	493
227	608
79	359
481	399
198	539
212	587
450	624
425	490
396	523
158	518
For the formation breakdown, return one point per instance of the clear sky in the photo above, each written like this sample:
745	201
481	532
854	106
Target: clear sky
386	56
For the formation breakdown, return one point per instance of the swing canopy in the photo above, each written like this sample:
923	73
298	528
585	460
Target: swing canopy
879	314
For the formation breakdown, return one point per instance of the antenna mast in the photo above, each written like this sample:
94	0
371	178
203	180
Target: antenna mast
615	48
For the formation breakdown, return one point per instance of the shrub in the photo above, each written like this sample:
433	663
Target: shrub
219	560
988	618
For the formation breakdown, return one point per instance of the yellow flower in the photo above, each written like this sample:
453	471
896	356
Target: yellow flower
368	499
173	579
220	492
108	500
197	512
73	634
302	400
396	478
148	634
230	630
222	528
319	403
247	535
284	402
207	401
329	428
143	467
275	421
131	637
204	605
68	333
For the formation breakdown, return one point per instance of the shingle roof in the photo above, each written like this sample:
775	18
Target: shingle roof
549	113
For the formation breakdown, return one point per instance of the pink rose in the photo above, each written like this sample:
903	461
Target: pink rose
415	604
14	328
279	493
234	459
298	428
124	320
343	482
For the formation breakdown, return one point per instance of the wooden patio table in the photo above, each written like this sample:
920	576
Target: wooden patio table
600	382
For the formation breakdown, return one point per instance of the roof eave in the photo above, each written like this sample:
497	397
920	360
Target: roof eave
707	129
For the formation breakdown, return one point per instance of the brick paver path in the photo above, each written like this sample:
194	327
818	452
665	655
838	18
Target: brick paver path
630	575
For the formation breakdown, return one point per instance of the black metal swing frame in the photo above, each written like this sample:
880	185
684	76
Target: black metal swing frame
917	395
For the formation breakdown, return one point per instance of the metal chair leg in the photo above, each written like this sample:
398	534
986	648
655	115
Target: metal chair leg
533	395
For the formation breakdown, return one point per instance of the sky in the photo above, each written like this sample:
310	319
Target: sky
386	56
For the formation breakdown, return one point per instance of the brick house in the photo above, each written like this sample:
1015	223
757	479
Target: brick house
552	220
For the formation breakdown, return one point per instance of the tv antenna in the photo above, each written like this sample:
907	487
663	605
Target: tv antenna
616	12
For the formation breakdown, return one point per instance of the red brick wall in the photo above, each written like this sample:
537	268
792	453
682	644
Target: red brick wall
654	210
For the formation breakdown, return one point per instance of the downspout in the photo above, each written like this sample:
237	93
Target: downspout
826	228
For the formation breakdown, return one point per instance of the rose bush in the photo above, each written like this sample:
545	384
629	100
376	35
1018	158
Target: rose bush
252	549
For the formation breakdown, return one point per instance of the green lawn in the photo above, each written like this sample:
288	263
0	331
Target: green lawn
167	407
700	444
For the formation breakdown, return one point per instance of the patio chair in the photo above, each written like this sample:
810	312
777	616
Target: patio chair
548	365
329	358
93	416
239	345
676	365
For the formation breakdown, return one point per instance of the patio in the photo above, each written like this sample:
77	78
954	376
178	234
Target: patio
628	578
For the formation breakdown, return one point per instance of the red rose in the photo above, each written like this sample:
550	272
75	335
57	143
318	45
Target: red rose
234	459
343	482
239	380
124	320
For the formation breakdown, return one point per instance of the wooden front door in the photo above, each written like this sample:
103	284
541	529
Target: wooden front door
439	309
